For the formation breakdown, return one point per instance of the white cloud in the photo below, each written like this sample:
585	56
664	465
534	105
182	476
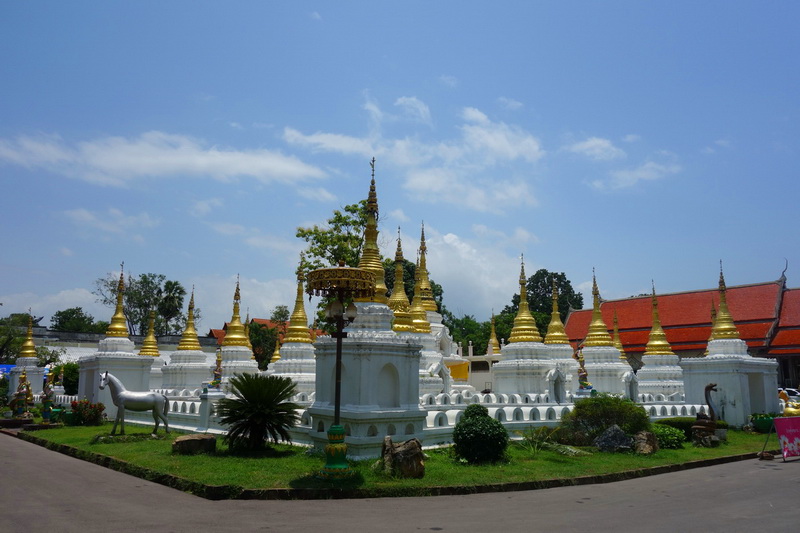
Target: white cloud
317	193
448	80
226	228
329	142
509	103
597	148
204	207
631	138
719	143
111	221
273	243
460	170
414	108
647	172
398	215
315	15
235	125
47	304
155	154
66	252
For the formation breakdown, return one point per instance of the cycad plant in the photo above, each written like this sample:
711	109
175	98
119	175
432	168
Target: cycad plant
260	409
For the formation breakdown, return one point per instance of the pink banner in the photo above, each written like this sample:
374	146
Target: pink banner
788	429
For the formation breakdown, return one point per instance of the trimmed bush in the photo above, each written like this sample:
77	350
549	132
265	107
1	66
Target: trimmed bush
592	416
669	438
479	438
685	423
85	413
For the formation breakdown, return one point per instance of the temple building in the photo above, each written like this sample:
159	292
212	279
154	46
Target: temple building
766	314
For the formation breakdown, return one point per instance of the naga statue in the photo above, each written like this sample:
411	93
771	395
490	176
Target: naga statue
705	425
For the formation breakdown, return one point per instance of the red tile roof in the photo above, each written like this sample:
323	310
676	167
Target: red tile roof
686	316
220	333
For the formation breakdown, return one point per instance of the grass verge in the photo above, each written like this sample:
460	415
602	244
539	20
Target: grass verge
288	471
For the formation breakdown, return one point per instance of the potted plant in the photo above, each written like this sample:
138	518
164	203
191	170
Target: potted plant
762	422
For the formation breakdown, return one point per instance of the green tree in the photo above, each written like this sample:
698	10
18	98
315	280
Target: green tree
143	293
49	356
260	409
75	319
280	317
13	330
340	238
170	305
263	339
71	374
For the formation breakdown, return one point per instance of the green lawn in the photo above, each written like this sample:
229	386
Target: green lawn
292	467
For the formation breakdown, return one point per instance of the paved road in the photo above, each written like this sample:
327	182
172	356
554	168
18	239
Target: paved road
49	492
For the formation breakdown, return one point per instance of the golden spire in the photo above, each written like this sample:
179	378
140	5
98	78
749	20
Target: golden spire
724	328
418	314
524	329
234	335
189	339
28	349
298	322
150	344
657	343
428	303
555	330
276	354
598	331
617	342
495	344
713	321
119	326
398	301
370	254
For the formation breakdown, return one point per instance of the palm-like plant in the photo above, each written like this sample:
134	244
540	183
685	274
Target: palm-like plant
260	409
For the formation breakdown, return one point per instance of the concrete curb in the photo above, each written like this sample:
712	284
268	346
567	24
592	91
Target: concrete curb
235	492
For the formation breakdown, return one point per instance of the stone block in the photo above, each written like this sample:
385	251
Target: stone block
645	443
193	444
613	439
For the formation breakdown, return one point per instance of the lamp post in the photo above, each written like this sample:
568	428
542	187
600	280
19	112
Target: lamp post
339	283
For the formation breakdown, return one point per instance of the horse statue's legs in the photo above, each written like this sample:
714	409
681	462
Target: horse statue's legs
160	413
119	419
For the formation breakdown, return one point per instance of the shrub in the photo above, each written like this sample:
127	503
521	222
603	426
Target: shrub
260	409
669	438
594	415
479	438
685	423
85	413
475	410
3	391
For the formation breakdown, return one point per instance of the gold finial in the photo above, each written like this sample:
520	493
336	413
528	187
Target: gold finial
713	322
598	331
28	349
524	329
276	354
724	328
235	335
418	315
150	344
298	322
428	302
617	342
657	343
370	254
398	301
555	330
493	342
189	340
119	326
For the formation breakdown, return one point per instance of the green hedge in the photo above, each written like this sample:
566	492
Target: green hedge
685	423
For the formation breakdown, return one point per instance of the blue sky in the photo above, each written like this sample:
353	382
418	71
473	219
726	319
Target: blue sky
646	140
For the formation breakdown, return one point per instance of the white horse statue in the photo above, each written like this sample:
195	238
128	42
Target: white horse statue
135	401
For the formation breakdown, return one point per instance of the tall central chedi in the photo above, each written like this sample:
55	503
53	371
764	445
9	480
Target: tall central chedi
607	372
745	384
660	373
380	369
